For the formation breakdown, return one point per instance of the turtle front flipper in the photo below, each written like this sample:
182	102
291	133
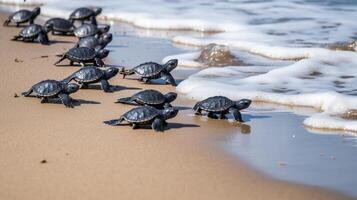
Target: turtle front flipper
61	59
168	78
114	122
126	100
27	93
236	114
197	108
158	125
126	72
66	100
43	39
106	87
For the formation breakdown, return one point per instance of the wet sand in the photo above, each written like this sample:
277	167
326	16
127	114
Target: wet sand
50	152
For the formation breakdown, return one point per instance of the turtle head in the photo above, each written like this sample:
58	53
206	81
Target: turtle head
169	113
243	104
171	64
103	28
97	10
103	53
72	88
111	72
171	96
36	11
106	38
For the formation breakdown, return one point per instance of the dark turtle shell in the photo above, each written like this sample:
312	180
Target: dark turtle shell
141	114
60	24
82	13
149	69
88	74
216	104
21	16
86	30
48	88
81	53
90	42
31	31
150	97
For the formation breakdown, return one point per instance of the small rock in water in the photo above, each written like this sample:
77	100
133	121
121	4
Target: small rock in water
44	161
218	55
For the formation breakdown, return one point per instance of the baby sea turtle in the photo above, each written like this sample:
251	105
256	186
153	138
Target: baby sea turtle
150	98
86	30
146	115
53	89
84	14
32	32
23	16
59	26
152	70
84	55
219	105
94	42
91	74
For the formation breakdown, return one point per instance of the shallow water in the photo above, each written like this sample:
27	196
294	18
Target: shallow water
288	151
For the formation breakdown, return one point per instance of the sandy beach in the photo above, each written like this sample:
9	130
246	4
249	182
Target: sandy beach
48	151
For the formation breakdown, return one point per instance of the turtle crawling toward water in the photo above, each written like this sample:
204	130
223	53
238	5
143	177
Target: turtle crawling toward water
218	106
91	74
33	32
150	98
94	42
23	16
146	115
59	26
84	14
152	70
49	89
83	55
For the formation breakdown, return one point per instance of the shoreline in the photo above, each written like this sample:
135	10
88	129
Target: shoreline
89	160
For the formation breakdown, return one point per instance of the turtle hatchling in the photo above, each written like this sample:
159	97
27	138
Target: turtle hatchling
85	14
83	55
94	42
91	74
86	30
146	115
33	32
23	16
218	106
59	26
152	70
150	98
49	89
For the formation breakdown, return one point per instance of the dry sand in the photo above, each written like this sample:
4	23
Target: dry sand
86	159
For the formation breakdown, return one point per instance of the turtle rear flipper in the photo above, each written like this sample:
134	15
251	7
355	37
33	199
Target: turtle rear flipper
17	37
126	100
113	122
68	79
27	93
